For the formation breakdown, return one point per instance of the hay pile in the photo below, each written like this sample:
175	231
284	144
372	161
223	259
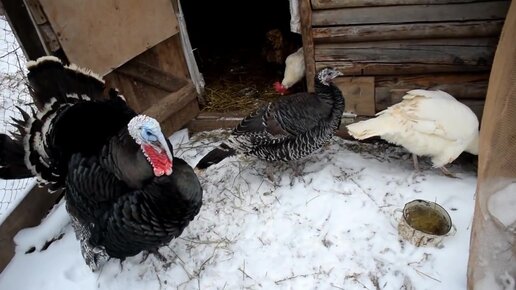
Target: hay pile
238	91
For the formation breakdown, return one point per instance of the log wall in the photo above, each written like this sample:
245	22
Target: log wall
404	44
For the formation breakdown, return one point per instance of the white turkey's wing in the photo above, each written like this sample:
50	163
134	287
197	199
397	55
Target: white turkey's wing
442	117
437	94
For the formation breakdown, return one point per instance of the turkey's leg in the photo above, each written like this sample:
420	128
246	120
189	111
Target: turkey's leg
416	162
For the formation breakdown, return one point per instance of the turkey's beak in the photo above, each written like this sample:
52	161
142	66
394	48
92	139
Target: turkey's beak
161	145
164	146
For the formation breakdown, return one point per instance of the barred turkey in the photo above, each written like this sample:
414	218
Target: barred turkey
289	128
426	123
124	190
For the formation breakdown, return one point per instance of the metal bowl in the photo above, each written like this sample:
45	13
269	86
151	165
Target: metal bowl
425	223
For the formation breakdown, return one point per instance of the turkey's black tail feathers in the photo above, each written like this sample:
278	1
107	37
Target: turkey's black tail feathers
215	156
12	151
12	159
63	94
49	78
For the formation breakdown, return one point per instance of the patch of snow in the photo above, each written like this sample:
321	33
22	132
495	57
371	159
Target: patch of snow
502	203
332	227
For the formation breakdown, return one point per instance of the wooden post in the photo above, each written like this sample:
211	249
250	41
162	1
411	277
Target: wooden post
492	261
305	12
23	28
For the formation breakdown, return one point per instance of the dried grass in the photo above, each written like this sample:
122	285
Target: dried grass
238	92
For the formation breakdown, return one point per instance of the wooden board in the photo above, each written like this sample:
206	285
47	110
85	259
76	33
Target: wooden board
328	4
181	118
362	33
305	12
171	103
152	75
104	34
359	94
23	27
390	90
473	51
376	69
207	121
411	13
408	56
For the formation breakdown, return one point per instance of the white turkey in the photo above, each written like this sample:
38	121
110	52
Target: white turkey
289	128
294	72
426	123
124	190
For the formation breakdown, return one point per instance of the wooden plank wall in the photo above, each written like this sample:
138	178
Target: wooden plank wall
406	44
157	83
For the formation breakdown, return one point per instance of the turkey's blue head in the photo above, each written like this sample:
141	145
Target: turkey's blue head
326	75
146	132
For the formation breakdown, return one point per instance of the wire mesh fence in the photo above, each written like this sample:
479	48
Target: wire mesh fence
13	92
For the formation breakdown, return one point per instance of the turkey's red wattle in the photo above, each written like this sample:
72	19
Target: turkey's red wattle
160	162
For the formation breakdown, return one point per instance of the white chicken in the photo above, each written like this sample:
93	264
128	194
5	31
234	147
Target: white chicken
426	123
294	71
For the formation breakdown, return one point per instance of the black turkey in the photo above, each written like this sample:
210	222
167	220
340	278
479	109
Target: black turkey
290	128
124	190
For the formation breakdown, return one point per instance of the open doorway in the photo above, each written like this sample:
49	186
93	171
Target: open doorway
240	48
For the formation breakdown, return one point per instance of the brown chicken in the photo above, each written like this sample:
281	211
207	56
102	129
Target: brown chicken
278	46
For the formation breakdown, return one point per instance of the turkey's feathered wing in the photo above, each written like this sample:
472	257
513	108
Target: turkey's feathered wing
289	116
433	113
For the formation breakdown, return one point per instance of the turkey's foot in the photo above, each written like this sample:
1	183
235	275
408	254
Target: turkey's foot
155	253
447	172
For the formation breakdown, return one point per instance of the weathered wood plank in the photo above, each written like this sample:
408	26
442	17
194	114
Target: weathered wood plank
359	94
167	56
29	213
390	90
36	11
207	122
139	95
102	35
305	14
362	33
411	13
375	69
171	103
406	57
24	28
439	51
328	4
151	75
179	119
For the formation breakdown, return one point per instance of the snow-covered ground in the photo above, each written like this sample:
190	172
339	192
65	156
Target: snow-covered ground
332	227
